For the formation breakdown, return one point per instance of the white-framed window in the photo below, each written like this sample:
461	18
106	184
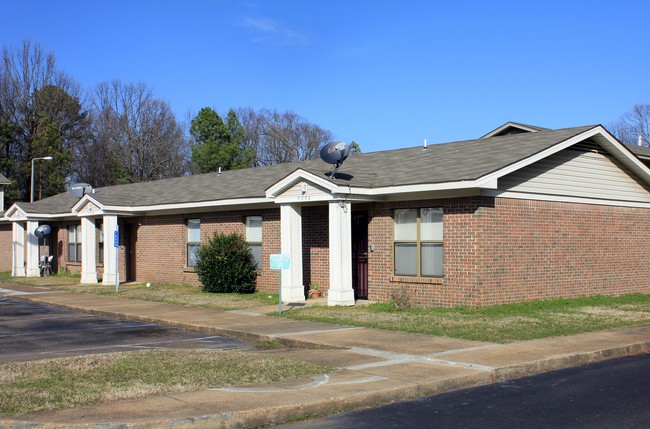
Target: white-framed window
193	240
254	238
74	243
418	242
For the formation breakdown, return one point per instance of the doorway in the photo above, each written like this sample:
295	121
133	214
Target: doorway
130	244
360	254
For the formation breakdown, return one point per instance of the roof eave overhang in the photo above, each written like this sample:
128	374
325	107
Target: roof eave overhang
186	207
426	187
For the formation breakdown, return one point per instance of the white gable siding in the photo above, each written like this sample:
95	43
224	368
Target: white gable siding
583	172
304	191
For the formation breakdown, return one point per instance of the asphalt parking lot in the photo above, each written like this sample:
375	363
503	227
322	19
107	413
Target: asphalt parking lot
30	331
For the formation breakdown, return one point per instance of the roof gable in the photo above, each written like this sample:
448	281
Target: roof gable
582	171
15	213
513	128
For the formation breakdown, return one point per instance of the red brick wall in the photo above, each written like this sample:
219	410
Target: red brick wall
540	250
61	257
6	250
315	246
161	249
503	250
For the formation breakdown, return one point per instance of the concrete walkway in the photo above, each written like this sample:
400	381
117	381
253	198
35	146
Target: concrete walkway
373	366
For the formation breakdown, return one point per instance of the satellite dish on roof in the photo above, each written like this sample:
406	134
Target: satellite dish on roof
42	231
334	153
80	189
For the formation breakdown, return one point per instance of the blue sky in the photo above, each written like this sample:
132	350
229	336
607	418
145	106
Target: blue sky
384	73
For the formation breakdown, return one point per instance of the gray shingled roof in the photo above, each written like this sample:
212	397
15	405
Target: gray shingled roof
449	162
639	150
4	180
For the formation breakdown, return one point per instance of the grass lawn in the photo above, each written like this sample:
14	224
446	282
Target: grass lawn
167	293
66	382
502	323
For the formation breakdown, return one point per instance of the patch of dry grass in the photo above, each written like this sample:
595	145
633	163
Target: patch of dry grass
66	382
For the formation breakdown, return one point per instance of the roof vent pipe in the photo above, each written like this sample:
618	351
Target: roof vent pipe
219	172
640	141
425	145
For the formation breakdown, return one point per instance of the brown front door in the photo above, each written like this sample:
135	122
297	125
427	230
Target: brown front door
360	254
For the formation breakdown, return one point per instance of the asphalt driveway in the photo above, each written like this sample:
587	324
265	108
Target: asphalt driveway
31	331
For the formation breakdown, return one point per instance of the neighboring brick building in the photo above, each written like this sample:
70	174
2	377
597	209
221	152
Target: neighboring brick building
523	213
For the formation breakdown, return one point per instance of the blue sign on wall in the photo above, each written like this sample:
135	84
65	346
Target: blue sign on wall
116	239
280	261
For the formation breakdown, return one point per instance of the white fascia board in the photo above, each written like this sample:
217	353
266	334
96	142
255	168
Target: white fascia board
424	187
300	175
14	208
182	206
39	216
565	199
623	155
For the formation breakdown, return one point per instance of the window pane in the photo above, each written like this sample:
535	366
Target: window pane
406	259
194	231
72	254
256	250
406	224
72	234
431	259
192	251
431	224
254	228
78	252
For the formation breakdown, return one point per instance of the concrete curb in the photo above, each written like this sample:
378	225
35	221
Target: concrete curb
568	360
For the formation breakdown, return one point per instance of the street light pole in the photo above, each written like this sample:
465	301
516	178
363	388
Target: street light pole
45	158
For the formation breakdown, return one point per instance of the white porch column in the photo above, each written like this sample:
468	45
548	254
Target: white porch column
340	234
18	249
110	269
88	251
291	244
32	250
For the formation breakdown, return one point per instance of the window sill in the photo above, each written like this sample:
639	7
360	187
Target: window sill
421	280
189	270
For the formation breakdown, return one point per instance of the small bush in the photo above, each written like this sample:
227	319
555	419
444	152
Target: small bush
400	298
226	264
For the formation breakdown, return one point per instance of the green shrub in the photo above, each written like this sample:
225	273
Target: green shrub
226	264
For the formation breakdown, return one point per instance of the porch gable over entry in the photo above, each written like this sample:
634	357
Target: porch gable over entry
302	188
88	209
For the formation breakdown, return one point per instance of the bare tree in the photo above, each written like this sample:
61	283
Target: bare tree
135	135
279	137
40	111
633	124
